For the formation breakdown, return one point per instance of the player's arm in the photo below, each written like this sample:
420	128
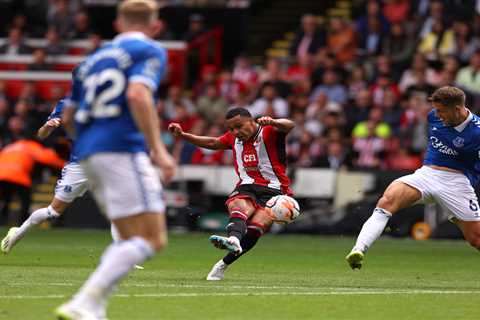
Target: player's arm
68	114
200	141
140	103
283	125
48	128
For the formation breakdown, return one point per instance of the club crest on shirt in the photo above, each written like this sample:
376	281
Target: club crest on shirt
458	142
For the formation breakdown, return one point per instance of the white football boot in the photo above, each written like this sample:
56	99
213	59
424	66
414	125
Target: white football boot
231	243
9	241
218	271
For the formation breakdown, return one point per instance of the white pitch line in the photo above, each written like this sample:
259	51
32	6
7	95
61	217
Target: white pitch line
236	294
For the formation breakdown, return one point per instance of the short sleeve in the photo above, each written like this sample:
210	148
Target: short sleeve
150	70
227	139
57	111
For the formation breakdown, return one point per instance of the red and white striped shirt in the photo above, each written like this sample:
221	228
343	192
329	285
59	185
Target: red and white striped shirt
260	160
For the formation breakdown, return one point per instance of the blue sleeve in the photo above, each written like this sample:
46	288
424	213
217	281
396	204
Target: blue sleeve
57	111
75	95
150	69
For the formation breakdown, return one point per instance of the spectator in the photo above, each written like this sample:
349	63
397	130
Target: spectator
383	85
274	75
438	42
373	9
359	110
163	33
176	97
356	81
54	44
341	40
465	44
418	64
371	42
61	18
211	105
81	26
308	39
244	72
95	42
396	11
436	12
399	46
270	104
331	87
15	44
468	77
39	62
369	149
380	128
228	87
4	116
336	158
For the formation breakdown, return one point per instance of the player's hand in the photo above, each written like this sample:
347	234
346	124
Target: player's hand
175	129
53	123
166	163
265	121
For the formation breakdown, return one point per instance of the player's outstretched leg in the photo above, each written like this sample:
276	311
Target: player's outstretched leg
15	234
371	230
254	232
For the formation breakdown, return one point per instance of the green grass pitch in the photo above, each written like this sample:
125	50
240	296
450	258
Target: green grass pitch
284	277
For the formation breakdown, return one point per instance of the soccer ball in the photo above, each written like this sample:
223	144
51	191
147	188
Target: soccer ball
283	209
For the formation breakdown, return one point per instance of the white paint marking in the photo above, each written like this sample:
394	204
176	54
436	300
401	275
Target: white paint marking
236	294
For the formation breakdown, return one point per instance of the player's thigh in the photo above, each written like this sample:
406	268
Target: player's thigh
124	184
262	217
399	195
72	184
243	204
149	225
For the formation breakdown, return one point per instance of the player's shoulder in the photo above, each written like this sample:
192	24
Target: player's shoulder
140	45
475	125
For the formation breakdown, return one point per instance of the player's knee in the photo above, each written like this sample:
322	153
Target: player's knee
158	243
386	202
475	242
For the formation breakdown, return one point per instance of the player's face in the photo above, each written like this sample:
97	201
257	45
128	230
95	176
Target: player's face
242	127
449	116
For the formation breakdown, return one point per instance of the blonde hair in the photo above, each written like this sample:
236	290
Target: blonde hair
138	11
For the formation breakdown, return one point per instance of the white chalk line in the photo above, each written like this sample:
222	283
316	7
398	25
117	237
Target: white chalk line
236	294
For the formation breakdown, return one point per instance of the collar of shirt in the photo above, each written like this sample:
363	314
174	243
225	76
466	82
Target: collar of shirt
130	34
464	124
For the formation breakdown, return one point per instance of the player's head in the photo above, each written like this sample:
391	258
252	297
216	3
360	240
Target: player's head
449	103
241	123
137	15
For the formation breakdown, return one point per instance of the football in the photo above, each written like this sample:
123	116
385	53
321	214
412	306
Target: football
284	209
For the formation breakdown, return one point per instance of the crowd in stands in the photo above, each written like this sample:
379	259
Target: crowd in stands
357	90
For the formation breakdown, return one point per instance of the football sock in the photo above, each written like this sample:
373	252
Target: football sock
36	218
248	242
372	229
237	225
117	261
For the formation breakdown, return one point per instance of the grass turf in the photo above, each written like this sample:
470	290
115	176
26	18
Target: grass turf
284	277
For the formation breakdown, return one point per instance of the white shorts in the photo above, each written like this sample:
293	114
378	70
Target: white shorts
450	190
124	184
72	184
